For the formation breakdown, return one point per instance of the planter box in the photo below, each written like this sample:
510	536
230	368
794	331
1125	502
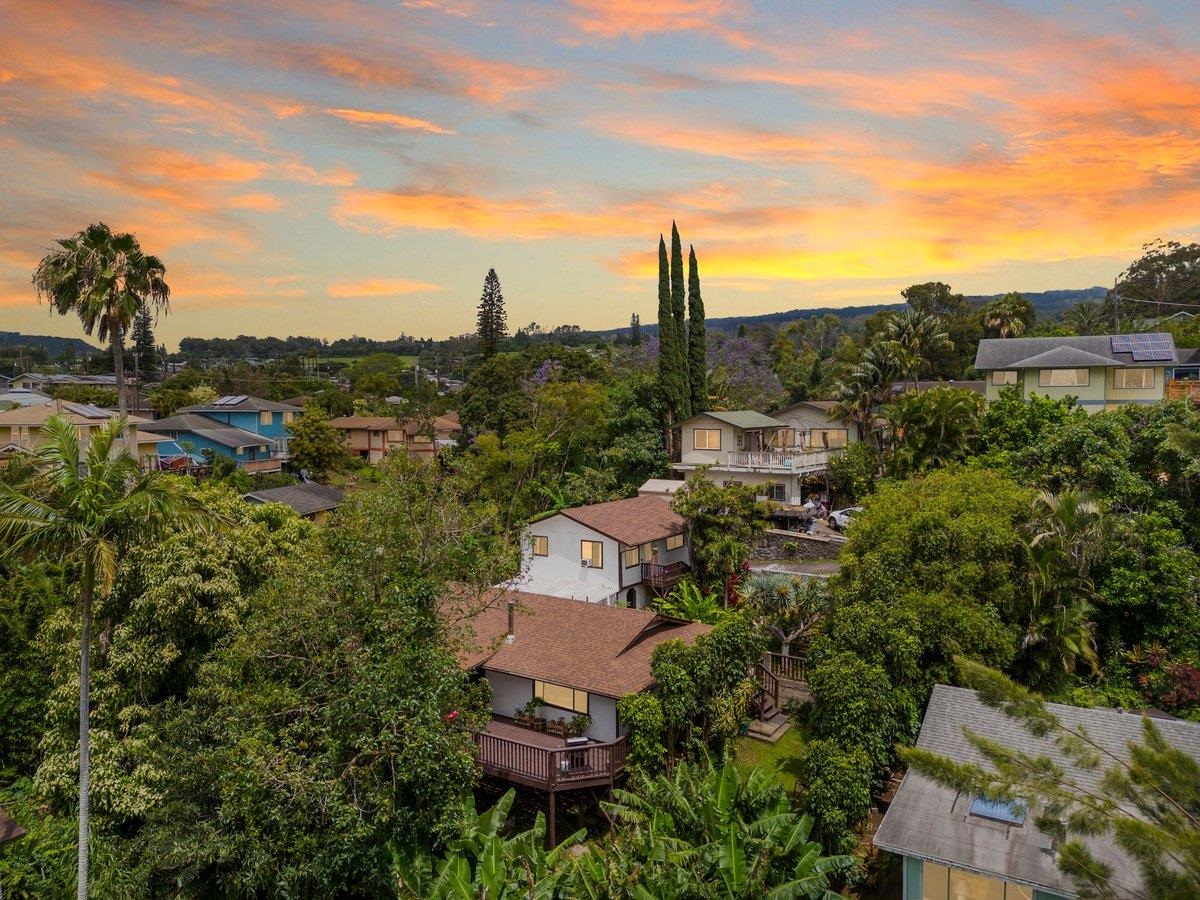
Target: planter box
555	727
524	721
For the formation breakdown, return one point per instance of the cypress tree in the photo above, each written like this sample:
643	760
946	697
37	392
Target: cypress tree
697	341
492	323
666	333
679	312
144	349
635	330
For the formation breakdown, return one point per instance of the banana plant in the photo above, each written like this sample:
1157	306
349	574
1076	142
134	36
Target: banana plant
480	863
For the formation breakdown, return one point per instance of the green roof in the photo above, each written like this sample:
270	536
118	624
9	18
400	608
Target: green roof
745	418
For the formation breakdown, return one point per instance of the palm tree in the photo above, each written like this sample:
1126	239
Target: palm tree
933	427
1087	317
1068	533
89	508
1004	316
106	280
913	339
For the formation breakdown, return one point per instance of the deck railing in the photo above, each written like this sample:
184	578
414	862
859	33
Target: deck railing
663	576
550	768
792	460
767	696
793	668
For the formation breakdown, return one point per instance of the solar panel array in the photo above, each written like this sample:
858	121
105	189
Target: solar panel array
229	401
1156	347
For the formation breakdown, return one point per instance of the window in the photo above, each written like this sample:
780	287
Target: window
593	552
785	438
1063	378
942	883
1133	378
541	545
631	557
560	696
288	418
674	542
1001	378
264	417
776	491
829	437
706	438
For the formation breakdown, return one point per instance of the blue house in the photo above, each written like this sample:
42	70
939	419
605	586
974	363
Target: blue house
249	430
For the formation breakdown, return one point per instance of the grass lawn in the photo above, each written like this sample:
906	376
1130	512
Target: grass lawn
407	360
748	753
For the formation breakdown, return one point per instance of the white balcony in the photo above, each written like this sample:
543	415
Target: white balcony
780	462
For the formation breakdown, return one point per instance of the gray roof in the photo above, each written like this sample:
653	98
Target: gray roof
24	397
928	821
217	432
241	403
1187	356
305	499
1027	353
743	418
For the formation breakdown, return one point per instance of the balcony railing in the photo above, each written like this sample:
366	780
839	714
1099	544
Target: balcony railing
781	461
530	762
663	577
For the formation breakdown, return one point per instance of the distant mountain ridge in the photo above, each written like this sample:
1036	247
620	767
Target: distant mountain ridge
55	346
1047	304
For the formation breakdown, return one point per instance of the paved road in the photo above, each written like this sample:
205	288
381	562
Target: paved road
801	567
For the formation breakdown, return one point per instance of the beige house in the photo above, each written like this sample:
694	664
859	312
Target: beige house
812	425
750	448
21	428
373	437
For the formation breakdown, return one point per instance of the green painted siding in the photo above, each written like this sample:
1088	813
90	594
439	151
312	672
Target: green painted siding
912	878
1099	393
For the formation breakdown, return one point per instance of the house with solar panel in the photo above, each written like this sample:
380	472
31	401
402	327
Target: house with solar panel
249	430
1103	371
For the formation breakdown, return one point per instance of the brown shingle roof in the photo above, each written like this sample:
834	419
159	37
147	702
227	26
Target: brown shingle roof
600	649
371	423
637	520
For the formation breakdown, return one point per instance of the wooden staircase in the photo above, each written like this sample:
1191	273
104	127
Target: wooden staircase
780	679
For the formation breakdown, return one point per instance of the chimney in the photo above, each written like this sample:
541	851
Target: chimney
512	615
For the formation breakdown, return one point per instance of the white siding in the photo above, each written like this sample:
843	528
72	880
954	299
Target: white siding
511	691
508	692
564	536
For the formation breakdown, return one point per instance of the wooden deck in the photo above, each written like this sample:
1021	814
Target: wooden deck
663	577
543	761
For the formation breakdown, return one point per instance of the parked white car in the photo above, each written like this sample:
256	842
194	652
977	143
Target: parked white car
840	518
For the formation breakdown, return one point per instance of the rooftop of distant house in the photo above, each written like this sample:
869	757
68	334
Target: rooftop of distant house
76	413
936	823
212	429
1084	351
588	646
306	499
638	520
241	403
386	423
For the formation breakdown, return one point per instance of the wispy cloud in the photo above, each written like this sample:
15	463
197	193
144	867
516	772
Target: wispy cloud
380	287
367	118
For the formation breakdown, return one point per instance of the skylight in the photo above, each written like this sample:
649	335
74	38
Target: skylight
998	811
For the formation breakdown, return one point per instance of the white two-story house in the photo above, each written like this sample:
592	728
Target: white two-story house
624	551
747	447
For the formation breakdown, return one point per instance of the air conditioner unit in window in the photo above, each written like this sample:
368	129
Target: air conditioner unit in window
585	563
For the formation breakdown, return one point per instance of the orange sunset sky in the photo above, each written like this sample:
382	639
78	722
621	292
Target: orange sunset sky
332	167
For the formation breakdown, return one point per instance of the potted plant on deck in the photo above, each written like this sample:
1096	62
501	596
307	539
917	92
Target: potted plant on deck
579	725
557	726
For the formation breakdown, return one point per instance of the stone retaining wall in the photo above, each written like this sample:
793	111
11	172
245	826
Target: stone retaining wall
775	544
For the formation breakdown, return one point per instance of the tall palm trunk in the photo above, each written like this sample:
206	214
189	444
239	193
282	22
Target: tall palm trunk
85	591
116	340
